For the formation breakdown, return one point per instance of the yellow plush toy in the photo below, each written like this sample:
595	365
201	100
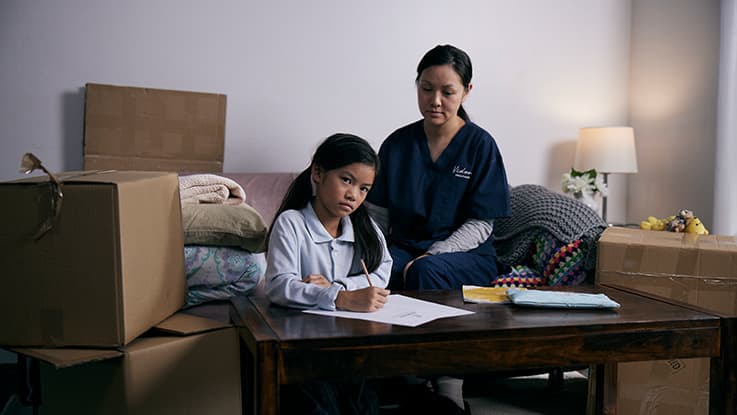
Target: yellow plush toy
684	221
695	226
654	224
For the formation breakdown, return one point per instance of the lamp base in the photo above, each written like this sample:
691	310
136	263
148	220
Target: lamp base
605	178
588	199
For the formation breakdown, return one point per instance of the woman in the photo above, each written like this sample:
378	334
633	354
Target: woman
441	186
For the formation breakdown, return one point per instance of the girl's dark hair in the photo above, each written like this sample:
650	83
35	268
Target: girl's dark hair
334	152
456	58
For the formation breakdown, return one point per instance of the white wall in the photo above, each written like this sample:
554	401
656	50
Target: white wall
673	97
297	71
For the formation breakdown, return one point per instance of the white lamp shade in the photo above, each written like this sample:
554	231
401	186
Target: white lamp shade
606	149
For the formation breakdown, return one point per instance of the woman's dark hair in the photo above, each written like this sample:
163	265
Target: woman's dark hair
334	152
456	58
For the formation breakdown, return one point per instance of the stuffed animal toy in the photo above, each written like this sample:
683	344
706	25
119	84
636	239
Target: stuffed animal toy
654	224
684	221
679	223
695	226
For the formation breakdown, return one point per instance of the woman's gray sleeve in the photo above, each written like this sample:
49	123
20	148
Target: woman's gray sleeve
468	236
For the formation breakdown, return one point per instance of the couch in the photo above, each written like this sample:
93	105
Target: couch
264	191
550	239
224	237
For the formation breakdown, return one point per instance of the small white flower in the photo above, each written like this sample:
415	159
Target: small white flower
579	182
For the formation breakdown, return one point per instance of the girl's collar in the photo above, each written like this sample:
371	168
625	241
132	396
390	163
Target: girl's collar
317	229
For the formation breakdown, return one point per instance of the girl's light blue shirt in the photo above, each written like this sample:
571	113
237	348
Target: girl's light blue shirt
300	245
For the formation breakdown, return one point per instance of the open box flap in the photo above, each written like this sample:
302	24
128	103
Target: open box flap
185	324
133	128
62	357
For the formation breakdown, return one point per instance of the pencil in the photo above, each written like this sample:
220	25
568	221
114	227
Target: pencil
366	273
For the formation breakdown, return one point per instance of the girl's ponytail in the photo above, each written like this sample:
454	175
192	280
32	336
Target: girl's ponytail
297	196
368	245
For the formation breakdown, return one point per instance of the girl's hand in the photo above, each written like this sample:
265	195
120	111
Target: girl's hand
317	279
366	299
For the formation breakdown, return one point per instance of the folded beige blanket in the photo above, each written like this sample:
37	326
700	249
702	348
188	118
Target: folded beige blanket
210	188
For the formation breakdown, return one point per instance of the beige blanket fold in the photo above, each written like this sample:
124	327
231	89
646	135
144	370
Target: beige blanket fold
210	188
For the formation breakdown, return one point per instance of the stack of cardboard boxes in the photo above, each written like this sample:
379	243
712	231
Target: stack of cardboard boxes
96	299
695	269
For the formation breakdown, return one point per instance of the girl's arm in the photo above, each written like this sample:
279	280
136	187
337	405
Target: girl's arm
366	300
284	285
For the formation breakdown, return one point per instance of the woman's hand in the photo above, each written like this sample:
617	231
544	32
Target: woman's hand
409	264
366	299
317	279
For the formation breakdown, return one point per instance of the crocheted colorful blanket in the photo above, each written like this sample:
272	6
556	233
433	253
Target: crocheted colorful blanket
549	262
536	211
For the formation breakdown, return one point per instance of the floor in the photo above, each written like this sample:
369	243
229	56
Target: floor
528	395
504	395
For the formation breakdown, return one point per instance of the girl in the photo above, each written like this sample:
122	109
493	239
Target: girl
322	233
317	242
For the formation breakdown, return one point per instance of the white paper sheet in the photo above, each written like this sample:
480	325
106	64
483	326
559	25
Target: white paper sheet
401	310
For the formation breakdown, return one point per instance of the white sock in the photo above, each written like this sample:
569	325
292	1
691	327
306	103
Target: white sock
451	388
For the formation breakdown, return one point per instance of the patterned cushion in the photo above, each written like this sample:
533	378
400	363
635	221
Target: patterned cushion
220	272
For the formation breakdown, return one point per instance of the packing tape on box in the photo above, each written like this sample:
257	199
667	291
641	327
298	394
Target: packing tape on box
55	199
726	281
720	282
77	175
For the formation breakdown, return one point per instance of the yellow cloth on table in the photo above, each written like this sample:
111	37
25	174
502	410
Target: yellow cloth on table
493	295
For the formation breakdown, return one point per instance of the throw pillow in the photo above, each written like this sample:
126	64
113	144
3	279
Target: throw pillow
224	225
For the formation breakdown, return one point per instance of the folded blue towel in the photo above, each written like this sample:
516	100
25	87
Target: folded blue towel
559	299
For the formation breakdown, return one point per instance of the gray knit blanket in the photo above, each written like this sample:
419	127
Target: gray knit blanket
536	210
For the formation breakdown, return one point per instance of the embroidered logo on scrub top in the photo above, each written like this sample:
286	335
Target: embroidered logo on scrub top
461	172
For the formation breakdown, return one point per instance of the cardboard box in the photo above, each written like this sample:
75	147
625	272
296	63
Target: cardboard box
128	128
663	387
193	370
694	269
110	268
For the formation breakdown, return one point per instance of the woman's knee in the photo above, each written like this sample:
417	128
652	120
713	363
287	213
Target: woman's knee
450	271
424	274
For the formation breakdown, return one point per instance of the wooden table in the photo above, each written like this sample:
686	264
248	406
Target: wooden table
287	346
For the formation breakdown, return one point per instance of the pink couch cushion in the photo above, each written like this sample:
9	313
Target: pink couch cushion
264	191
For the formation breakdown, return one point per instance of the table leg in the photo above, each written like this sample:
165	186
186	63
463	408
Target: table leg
723	376
29	372
602	397
267	379
260	381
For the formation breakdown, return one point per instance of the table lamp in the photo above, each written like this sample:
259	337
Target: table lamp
608	150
